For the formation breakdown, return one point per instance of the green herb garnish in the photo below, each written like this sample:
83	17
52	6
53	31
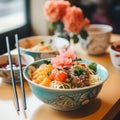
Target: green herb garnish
42	42
49	73
47	61
93	66
77	59
59	69
78	71
68	75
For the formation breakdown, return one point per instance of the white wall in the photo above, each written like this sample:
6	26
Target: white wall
38	19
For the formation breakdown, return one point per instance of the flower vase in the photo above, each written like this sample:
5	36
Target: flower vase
85	42
74	46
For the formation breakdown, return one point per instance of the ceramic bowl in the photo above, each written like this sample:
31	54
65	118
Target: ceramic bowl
27	43
66	99
5	73
98	40
115	54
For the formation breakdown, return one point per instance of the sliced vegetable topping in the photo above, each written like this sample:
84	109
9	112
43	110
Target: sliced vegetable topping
60	76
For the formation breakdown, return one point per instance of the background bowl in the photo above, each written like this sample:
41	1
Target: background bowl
115	55
98	40
5	74
66	99
27	43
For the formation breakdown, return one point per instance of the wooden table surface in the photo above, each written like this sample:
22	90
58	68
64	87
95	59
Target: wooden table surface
104	107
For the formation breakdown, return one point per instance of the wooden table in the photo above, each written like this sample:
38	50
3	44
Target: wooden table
103	107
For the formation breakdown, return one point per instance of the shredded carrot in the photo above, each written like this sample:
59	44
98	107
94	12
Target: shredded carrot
46	81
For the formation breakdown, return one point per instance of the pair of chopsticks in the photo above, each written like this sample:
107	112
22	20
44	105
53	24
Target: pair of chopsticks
12	74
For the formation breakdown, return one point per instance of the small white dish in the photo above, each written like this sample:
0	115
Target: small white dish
5	71
115	55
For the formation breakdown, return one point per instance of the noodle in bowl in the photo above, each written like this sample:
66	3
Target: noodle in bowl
70	98
41	47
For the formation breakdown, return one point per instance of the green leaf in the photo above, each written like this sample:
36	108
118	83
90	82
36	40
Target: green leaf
75	38
84	34
51	26
59	26
64	35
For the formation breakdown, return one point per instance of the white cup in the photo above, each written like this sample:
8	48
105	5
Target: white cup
98	40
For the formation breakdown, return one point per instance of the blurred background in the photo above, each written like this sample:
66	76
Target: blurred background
26	17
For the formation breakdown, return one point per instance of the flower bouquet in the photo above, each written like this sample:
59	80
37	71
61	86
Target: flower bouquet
66	20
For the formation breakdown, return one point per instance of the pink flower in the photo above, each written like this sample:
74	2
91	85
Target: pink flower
65	58
55	9
74	21
70	54
60	62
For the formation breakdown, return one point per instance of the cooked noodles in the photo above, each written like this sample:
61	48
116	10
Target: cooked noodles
78	75
42	46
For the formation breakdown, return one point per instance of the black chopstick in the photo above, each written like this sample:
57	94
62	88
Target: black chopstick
21	75
12	75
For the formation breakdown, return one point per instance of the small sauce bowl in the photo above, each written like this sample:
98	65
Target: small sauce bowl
115	54
5	72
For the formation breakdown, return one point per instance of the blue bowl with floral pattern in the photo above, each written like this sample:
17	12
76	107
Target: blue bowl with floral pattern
66	99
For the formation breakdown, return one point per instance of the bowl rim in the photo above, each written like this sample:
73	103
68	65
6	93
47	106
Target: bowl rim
27	56
28	50
65	90
109	28
51	51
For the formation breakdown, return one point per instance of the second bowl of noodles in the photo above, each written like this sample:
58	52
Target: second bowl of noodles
41	47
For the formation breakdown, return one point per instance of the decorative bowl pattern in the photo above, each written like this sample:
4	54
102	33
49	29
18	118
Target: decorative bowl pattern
5	74
66	99
29	42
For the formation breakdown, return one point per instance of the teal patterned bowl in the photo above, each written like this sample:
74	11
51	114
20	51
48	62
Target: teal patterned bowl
66	99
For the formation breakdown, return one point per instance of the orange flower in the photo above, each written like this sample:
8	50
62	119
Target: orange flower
55	9
74	20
